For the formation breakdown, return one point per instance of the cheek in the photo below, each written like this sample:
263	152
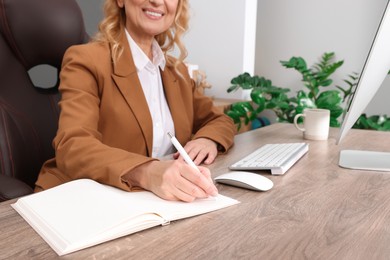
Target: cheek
172	6
170	19
171	13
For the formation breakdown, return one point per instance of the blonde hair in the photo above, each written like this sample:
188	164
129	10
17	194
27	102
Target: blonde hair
112	27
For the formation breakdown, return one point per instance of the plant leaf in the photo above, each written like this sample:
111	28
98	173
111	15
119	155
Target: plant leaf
329	99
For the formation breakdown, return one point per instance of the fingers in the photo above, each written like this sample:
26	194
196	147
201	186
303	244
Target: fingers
187	191
176	180
193	184
178	189
206	156
183	196
198	183
201	150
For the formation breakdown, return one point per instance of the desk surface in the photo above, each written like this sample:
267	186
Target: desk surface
315	211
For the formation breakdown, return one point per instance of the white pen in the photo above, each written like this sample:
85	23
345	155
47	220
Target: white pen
182	152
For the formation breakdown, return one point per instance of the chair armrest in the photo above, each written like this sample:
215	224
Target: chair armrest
11	188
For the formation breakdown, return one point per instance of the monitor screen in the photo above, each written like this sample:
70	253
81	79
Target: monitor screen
373	74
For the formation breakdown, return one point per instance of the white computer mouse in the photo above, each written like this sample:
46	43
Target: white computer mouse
247	180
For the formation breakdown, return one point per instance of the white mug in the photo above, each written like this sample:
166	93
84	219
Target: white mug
315	123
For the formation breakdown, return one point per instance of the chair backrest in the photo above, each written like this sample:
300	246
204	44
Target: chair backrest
32	33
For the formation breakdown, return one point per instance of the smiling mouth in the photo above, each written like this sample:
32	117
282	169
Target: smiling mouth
153	14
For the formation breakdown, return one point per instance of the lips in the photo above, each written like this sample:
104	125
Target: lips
153	13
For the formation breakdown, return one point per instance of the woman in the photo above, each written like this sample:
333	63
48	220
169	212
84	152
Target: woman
121	94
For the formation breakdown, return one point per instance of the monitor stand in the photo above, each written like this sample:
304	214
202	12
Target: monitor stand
365	160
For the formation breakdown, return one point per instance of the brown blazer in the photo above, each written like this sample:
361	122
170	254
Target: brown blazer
105	128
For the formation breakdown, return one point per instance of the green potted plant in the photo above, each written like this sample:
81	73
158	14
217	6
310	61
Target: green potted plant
316	93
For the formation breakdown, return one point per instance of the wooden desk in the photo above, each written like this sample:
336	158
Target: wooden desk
315	211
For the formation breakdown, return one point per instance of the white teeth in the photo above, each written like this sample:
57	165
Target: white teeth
153	13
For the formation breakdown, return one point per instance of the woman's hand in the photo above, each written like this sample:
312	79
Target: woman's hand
200	150
174	180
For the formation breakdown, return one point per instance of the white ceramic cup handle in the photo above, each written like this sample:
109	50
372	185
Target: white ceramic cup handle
296	122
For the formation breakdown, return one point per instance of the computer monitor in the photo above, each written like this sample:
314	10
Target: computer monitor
373	73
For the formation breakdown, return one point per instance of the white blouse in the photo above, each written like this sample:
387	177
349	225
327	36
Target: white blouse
150	77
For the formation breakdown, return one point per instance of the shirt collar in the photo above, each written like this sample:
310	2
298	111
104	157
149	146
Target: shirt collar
140	58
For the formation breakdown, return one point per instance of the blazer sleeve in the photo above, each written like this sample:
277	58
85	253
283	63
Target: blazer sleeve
210	122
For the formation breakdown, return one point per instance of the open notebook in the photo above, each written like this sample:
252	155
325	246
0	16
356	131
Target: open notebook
83	213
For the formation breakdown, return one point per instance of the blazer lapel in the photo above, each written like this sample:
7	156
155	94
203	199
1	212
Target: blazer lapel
127	81
175	103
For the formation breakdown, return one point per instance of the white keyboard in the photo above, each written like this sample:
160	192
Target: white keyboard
275	157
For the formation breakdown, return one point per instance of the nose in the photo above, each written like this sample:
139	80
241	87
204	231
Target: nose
156	2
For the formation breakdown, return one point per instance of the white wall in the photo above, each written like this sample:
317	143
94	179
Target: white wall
221	40
309	28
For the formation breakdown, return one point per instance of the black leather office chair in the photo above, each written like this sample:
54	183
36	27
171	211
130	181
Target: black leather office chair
32	32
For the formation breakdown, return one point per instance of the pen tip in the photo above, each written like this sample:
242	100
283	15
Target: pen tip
169	134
